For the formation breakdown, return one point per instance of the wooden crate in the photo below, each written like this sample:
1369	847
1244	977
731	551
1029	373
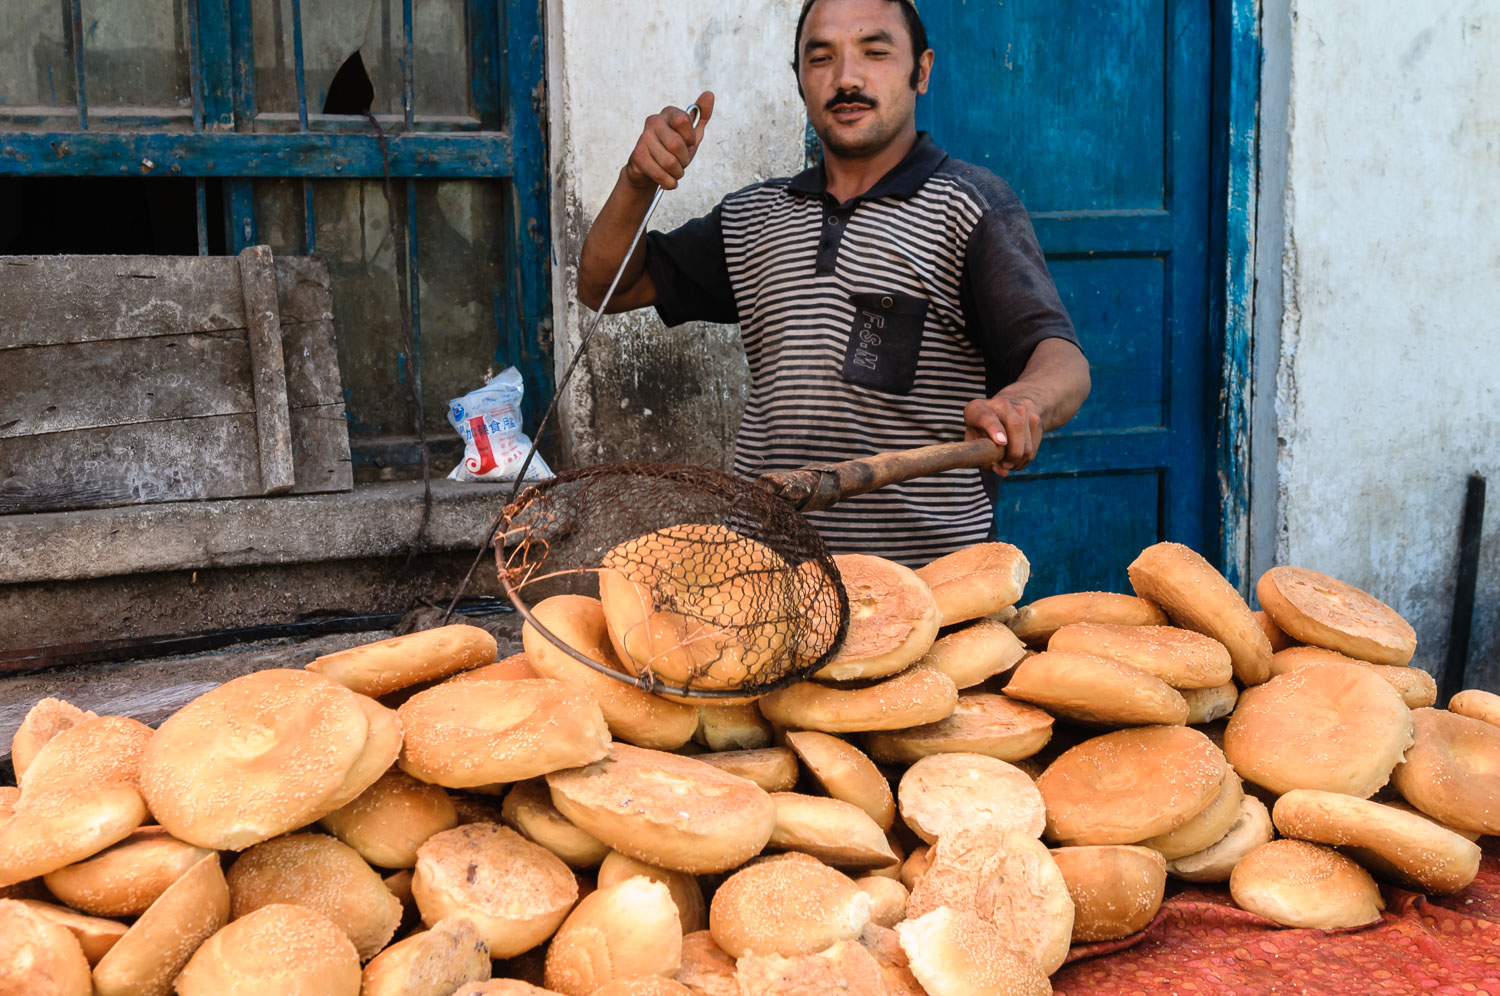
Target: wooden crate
133	379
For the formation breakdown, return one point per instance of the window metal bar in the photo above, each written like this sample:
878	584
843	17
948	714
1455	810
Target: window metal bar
408	93
309	224
201	192
78	87
195	75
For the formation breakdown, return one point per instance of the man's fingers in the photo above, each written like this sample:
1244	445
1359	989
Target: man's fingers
705	104
666	160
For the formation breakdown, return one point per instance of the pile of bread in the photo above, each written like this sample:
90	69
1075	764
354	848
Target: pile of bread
960	795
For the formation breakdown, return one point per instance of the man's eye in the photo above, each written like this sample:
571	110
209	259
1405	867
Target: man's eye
877	53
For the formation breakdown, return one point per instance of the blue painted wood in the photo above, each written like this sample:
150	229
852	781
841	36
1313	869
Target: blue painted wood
527	297
299	68
420	156
486	81
1236	114
408	70
1098	113
80	90
217	63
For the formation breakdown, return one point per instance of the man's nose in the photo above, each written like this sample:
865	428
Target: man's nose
847	77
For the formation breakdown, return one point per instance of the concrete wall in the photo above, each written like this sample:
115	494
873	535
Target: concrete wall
1388	390
645	392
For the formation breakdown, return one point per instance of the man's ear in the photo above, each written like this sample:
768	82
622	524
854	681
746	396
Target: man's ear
924	70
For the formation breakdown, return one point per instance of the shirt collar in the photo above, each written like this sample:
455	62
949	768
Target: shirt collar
904	179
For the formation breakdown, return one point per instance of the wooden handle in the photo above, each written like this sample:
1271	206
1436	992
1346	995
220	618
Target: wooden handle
812	488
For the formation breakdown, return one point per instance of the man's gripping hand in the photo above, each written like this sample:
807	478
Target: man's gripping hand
667	146
1012	421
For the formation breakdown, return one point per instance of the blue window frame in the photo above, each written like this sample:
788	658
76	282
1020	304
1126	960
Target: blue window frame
248	147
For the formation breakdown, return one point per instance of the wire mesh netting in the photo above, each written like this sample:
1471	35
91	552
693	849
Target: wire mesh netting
710	585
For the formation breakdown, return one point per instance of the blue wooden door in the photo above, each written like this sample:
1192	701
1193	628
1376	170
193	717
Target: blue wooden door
1098	113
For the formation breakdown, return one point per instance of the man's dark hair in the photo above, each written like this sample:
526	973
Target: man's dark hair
914	27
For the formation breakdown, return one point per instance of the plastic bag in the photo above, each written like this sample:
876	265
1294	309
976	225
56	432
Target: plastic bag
489	420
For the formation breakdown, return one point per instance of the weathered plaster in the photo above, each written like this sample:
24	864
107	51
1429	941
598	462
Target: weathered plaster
1389	380
645	392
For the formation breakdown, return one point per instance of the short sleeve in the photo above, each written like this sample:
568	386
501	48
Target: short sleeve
688	268
1010	302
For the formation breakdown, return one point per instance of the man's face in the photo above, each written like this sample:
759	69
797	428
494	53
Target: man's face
855	64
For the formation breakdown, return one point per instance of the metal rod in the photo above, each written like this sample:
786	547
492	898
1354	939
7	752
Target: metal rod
78	87
409	90
200	193
309	220
1456	667
299	69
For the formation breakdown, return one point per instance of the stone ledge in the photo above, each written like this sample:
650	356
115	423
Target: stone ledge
373	520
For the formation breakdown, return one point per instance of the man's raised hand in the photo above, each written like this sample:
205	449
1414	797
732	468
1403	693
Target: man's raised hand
667	145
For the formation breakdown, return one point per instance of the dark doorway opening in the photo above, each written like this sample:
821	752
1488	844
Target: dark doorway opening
107	215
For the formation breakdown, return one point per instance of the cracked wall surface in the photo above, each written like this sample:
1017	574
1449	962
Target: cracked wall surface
643	391
1388	387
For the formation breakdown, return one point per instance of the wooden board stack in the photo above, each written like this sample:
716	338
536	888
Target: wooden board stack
981	788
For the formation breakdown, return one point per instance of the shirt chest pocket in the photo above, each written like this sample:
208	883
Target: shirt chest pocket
885	341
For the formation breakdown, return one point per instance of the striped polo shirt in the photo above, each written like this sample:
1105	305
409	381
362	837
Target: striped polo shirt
868	326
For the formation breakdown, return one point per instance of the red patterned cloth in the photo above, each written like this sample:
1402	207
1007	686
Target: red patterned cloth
1201	943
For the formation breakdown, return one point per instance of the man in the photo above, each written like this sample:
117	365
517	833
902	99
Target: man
889	297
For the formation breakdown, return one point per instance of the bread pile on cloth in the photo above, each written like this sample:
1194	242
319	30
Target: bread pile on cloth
974	796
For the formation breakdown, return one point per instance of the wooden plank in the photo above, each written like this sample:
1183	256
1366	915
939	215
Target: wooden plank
312	365
215	457
303	291
76	386
48	300
267	370
320	449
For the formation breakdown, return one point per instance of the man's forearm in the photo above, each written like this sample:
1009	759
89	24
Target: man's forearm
605	247
1055	381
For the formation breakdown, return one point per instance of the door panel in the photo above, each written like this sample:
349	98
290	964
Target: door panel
1097	113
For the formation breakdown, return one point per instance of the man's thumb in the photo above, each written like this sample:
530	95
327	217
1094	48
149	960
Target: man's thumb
705	109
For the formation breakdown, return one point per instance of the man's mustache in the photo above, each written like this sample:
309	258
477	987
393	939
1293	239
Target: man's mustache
849	98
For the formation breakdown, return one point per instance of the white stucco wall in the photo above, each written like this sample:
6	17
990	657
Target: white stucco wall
1389	374
643	391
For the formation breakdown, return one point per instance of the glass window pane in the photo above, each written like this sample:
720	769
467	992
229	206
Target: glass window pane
136	53
36	55
461	227
333	32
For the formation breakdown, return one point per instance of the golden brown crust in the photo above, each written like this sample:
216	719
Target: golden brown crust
516	666
1207	705
1180	657
1416	687
280	948
845	773
464	736
893	619
1420	854
147	959
643	985
1197	597
1034	624
1206	827
786	906
1093	689
386	666
843	969
64	825
92	752
515	892
633	715
1452	772
685	815
1297	884
1250	829
774	769
126	878
687	894
948	790
706	969
529	811
39	956
1278	636
982	723
430	962
258	756
627	929
1326	612
95	934
1125	786
955	953
43	721
835	832
1476	704
1335	727
977	581
731	590
887	899
918	695
978	651
1116	889
732	727
320	873
390	819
